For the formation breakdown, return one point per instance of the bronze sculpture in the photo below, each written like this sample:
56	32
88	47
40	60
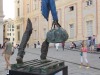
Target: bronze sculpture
25	38
47	5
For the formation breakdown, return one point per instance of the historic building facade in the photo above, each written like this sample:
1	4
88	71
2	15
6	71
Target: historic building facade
1	22
9	30
18	22
79	17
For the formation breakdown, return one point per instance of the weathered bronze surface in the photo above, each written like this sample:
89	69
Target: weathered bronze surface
25	38
38	66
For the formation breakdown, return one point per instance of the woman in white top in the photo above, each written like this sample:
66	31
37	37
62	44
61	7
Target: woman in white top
57	46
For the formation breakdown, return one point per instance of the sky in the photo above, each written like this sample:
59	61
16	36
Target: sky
8	9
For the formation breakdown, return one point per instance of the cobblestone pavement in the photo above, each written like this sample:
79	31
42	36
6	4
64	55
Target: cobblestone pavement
71	58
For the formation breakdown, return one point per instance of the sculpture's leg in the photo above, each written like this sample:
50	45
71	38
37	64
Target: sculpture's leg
44	50
24	41
53	10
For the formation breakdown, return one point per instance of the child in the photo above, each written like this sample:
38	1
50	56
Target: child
84	54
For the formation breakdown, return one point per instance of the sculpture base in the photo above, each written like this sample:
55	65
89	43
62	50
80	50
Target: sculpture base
39	67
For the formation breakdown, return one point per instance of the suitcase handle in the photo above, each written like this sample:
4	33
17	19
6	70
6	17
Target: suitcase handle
54	24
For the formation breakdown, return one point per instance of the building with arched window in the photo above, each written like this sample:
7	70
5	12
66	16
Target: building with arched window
79	17
18	21
9	30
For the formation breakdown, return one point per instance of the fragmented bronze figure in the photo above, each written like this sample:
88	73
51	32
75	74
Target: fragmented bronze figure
47	5
25	38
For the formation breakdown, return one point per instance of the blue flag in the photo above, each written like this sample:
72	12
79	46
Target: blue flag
46	7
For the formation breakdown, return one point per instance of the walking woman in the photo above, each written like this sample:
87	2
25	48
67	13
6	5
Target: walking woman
7	51
57	46
84	54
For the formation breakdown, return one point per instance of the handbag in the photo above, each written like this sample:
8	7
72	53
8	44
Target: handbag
57	34
81	54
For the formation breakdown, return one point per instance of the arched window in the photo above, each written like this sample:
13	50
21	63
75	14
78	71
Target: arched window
89	28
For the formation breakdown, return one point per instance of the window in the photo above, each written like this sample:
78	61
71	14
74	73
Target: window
71	8
13	39
12	26
12	29
35	4
18	11
89	2
10	34
18	27
89	28
71	31
18	35
9	26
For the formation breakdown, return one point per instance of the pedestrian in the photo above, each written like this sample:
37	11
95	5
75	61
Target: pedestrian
92	43
63	45
89	41
7	52
73	45
38	44
34	45
18	46
57	46
93	39
83	54
98	47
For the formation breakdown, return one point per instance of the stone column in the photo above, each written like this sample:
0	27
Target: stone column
1	21
1	32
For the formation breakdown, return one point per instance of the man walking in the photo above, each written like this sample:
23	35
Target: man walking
7	51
